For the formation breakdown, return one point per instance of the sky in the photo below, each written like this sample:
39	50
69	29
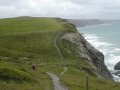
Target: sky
72	9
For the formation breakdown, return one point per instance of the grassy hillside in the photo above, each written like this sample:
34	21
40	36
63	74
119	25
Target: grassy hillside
27	40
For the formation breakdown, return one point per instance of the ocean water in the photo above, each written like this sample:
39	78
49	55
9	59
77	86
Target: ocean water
105	38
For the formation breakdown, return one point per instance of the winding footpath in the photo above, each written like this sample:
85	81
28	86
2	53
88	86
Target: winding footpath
56	82
55	79
65	69
55	44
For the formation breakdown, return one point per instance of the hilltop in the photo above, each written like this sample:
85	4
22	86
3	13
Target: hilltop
52	44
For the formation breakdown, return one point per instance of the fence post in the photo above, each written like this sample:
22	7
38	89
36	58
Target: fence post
87	83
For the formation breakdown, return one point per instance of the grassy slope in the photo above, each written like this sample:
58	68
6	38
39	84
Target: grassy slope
27	40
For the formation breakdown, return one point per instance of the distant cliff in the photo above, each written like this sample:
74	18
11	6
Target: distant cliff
86	22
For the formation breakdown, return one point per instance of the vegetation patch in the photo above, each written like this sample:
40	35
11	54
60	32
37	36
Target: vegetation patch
14	74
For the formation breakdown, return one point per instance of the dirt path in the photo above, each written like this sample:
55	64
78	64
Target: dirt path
57	46
65	69
55	79
56	82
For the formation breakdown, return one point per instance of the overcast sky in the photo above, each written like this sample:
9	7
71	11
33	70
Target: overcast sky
101	9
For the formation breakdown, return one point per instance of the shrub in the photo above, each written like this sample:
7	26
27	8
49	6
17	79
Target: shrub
15	75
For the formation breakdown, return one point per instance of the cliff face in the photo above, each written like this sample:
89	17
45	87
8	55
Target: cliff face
82	49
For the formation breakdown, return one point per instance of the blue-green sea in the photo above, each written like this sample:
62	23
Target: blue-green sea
105	38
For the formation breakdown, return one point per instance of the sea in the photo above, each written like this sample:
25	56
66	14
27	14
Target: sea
106	38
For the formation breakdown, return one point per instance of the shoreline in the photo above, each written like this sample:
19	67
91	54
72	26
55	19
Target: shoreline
116	78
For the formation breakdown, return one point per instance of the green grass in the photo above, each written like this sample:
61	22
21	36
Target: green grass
28	25
27	40
75	80
11	72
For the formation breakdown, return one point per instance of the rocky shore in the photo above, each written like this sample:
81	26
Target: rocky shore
117	69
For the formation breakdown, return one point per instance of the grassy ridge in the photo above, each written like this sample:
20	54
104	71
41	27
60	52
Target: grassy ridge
27	40
27	25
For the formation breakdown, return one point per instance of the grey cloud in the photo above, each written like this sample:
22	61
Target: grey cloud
61	8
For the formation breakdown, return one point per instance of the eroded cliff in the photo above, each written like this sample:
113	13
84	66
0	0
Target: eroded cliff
75	45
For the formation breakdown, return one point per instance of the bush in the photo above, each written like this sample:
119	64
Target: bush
15	75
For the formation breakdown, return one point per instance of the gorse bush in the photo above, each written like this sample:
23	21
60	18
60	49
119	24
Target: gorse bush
14	74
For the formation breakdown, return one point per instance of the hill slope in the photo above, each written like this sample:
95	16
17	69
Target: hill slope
46	42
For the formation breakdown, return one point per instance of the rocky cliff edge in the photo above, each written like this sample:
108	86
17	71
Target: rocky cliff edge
80	48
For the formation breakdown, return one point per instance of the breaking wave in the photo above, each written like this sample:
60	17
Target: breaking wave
111	52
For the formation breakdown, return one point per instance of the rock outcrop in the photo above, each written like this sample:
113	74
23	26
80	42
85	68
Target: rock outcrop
83	49
117	69
117	66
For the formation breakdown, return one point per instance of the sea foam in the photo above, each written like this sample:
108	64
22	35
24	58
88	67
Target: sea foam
110	51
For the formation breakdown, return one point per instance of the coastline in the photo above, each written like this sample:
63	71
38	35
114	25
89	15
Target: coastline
116	78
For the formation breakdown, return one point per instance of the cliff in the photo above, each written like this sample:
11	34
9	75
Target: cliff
82	50
86	22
